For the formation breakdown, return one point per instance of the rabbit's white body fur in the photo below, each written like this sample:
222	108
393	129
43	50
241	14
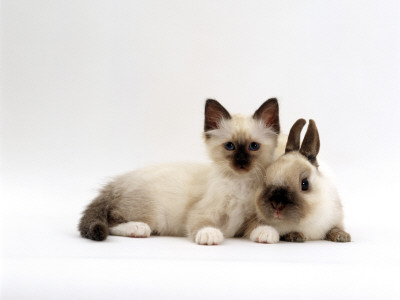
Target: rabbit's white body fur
300	200
324	203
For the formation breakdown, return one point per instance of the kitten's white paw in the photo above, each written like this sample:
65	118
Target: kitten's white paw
265	234
209	236
132	229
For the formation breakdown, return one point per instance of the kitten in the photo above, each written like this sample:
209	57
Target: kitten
205	202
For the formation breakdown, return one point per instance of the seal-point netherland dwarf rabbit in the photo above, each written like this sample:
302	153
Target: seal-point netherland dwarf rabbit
299	201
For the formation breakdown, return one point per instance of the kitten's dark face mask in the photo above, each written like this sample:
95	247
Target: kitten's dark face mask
241	155
238	149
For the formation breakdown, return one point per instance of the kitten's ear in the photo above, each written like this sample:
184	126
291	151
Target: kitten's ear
214	113
293	142
269	114
310	146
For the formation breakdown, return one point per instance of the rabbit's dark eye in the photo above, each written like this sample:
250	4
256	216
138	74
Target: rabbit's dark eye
230	146
304	184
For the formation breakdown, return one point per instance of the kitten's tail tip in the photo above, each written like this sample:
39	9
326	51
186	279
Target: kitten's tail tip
98	231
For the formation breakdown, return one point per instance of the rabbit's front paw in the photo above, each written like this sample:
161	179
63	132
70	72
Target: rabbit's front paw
338	235
296	237
265	234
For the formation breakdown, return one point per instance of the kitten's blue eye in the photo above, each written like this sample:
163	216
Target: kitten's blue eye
254	146
229	146
304	184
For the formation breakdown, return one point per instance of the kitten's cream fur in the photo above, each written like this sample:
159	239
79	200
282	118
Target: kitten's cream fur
204	202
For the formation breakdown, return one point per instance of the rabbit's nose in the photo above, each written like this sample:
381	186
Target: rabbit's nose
277	205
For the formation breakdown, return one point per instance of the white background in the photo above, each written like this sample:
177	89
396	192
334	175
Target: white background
91	89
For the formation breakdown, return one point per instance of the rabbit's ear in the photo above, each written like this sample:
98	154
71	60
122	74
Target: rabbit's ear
310	146
293	142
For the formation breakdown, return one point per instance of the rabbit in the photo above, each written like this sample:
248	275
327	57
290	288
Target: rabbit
299	200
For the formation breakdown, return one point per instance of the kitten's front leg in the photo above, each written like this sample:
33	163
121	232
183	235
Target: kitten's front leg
209	236
204	232
259	232
265	234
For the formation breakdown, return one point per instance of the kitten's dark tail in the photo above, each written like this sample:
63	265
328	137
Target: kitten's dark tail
94	224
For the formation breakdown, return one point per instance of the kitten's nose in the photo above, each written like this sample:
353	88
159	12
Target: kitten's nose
241	159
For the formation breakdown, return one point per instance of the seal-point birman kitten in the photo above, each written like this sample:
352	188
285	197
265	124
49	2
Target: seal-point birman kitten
203	202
